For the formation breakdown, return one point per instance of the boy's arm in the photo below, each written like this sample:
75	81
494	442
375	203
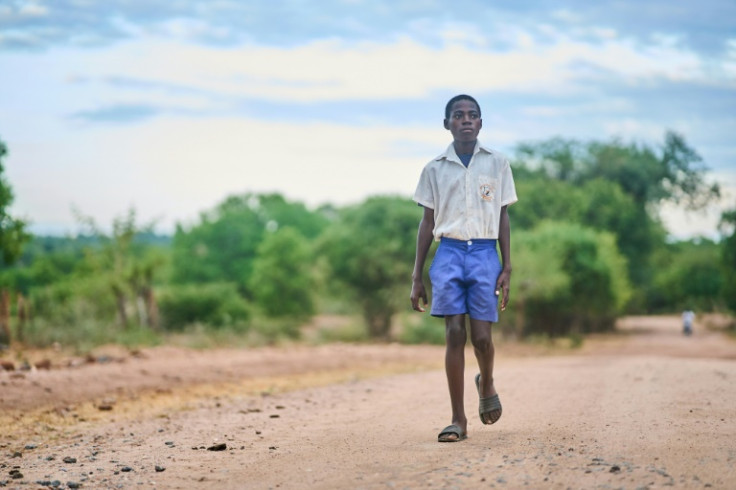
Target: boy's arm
504	241
424	241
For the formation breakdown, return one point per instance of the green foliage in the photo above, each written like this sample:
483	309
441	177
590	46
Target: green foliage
224	244
428	330
271	330
728	258
608	208
213	304
370	249
66	303
597	204
674	172
570	280
127	266
282	283
688	276
12	230
611	186
543	198
71	312
256	267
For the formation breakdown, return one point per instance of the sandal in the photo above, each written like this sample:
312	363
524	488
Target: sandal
490	406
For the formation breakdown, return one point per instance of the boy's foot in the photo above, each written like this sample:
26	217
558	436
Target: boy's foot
452	433
489	408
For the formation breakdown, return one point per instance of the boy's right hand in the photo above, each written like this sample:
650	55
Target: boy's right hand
417	292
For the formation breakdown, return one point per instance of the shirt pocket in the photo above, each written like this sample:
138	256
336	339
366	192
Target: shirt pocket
487	188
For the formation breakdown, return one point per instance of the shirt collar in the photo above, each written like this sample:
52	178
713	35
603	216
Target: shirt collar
450	154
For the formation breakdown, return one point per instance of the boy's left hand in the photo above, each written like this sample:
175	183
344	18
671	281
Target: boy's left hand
502	285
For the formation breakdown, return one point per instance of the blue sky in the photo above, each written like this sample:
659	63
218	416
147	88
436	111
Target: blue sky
170	106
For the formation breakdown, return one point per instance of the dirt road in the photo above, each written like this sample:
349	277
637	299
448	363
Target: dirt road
646	408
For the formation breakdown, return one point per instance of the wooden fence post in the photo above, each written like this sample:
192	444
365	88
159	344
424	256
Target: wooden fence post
5	336
22	317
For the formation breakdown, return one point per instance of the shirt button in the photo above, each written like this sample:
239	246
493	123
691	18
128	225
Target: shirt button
470	242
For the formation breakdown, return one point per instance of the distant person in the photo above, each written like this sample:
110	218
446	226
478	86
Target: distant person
688	317
465	192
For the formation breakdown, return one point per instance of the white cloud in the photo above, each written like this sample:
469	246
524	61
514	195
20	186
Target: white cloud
634	129
729	60
566	15
330	70
175	168
32	9
192	29
610	105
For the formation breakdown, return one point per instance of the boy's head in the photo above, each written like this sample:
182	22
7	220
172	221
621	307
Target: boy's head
462	119
457	98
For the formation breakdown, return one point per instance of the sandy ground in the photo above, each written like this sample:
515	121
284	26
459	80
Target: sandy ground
644	408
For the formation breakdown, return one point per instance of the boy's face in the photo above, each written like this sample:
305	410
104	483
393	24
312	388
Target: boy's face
464	122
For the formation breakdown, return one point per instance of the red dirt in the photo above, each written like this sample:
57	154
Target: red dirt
643	408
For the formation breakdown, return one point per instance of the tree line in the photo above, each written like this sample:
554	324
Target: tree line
587	246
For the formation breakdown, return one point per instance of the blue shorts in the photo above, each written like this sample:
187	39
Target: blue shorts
464	275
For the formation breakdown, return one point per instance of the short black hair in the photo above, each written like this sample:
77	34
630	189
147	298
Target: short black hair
448	107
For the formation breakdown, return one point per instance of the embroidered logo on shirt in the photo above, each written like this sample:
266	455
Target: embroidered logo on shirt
487	191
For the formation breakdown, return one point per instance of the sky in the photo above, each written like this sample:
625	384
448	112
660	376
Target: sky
169	106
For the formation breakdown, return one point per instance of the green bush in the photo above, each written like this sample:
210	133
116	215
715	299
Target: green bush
689	276
370	254
282	283
581	285
270	330
428	330
214	304
73	301
79	313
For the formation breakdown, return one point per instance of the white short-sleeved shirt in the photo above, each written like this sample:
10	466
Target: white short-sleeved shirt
467	202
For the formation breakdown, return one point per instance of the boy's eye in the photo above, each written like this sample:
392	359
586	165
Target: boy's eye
471	115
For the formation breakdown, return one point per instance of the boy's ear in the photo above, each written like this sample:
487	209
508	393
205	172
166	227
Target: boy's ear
446	123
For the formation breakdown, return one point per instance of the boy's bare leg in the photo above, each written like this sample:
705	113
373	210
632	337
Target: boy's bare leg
456	337
480	336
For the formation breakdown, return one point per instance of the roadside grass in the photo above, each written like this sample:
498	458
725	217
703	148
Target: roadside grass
409	328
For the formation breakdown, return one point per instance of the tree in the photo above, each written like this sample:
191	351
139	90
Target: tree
12	238
674	172
728	257
598	204
224	244
370	250
570	279
613	186
12	230
689	276
282	282
128	267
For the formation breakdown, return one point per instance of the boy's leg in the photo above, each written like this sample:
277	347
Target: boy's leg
482	340
456	336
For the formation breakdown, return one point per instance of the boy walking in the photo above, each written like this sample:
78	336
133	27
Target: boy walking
465	192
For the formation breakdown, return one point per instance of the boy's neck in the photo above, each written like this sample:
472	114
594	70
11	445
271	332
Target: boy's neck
464	147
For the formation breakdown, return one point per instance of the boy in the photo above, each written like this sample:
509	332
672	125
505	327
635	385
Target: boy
464	193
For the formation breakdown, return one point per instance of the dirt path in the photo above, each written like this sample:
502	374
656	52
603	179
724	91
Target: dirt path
646	408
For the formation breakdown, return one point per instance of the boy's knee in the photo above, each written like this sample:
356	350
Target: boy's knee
455	334
482	343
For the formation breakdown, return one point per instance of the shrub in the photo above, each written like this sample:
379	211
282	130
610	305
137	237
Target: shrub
213	304
580	286
282	284
428	330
